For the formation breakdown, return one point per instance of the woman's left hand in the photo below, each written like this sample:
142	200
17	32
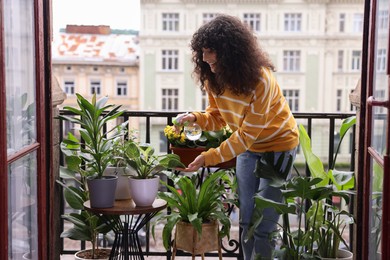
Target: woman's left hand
195	165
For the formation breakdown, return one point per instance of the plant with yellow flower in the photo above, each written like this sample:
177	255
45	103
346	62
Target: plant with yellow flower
209	139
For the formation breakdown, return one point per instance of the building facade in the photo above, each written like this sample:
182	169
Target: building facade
315	46
92	59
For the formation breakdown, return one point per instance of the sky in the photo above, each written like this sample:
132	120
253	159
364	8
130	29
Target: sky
118	14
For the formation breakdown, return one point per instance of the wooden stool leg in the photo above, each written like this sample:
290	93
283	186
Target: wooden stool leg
202	256
193	257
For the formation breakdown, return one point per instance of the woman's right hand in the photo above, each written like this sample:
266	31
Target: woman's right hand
183	118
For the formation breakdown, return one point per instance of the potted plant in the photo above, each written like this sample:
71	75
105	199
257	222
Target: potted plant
85	161
144	183
320	223
86	225
91	155
118	165
189	149
195	213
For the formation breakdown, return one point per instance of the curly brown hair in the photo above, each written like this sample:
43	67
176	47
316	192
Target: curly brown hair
239	57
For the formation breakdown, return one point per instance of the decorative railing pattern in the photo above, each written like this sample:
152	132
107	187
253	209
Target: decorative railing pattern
327	122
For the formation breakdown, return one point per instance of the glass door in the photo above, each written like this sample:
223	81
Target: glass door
24	168
377	170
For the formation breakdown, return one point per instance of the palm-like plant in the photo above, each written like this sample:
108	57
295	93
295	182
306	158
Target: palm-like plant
320	224
95	148
195	206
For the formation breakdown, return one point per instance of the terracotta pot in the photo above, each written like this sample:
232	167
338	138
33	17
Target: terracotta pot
187	156
187	238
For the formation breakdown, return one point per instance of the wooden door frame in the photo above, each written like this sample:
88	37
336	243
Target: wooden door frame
42	147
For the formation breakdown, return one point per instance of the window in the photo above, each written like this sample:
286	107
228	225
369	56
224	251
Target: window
170	22
291	61
69	87
170	99
339	96
95	87
170	60
381	60
355	66
68	68
121	88
205	100
383	19
253	20
358	23
340	60
292	22
207	17
292	97
342	23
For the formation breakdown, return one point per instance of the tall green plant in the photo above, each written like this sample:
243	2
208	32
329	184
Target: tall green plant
95	148
85	158
195	206
320	224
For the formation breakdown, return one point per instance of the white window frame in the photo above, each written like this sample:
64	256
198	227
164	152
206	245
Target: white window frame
292	60
170	22
356	60
342	22
122	87
292	22
169	60
381	60
339	97
253	20
95	87
357	22
292	98
207	17
383	19
340	60
69	87
169	99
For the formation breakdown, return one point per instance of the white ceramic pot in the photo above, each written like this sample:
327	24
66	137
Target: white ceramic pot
342	254
144	191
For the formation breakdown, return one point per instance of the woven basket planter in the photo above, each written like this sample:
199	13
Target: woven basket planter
187	239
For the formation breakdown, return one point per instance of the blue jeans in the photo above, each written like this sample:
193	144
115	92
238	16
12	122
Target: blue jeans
248	186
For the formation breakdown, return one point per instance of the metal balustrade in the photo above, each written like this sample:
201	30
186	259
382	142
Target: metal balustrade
150	123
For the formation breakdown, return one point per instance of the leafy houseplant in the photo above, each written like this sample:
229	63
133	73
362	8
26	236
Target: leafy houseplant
86	159
195	207
320	223
145	183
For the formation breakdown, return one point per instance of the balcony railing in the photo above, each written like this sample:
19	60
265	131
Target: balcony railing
321	127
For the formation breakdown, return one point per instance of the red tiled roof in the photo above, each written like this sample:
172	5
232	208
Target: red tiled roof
108	47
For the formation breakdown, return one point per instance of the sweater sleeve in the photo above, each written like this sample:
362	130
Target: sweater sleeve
265	114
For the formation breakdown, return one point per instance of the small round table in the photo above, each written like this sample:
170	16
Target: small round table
126	244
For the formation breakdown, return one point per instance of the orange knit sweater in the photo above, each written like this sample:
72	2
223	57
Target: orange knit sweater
261	122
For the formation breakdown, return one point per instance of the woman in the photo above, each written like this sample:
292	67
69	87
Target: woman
244	94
